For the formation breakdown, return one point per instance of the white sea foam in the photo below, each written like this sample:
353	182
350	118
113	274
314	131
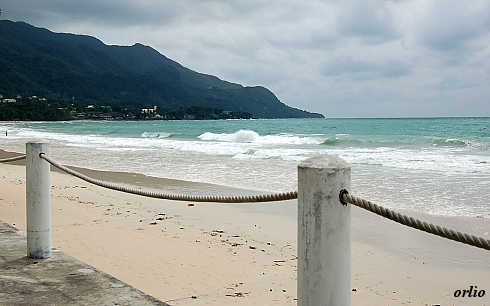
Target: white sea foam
251	157
240	136
249	136
247	144
156	135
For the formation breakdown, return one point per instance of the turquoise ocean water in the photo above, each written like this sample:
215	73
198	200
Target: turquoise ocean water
439	166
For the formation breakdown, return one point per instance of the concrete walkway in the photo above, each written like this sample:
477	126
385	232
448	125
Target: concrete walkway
60	280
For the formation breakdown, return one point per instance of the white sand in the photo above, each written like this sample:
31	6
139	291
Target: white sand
216	254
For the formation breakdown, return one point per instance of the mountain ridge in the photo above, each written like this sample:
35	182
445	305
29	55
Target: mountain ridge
37	61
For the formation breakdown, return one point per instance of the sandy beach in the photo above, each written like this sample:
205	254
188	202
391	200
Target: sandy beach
188	253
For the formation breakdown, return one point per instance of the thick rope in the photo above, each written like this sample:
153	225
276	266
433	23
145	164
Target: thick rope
430	228
177	197
12	159
344	197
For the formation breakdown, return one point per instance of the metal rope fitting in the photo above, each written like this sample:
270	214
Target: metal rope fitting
341	196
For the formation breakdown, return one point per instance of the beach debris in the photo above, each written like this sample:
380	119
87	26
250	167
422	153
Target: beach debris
235	244
153	223
181	228
160	218
233	286
216	233
190	205
237	294
193	297
279	260
251	247
161	214
354	289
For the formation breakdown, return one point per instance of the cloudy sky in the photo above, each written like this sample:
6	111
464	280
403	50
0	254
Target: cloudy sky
346	58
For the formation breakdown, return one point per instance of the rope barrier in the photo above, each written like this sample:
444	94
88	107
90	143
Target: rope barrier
344	197
177	197
12	159
430	228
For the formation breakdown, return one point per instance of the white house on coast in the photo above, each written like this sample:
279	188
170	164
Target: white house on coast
149	110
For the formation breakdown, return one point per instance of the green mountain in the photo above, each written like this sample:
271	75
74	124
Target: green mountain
36	61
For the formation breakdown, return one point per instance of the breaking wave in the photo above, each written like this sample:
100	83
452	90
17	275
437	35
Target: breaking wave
158	135
249	136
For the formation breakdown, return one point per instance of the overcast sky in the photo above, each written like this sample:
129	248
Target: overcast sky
339	58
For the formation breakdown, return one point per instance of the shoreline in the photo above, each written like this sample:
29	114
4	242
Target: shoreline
363	221
206	250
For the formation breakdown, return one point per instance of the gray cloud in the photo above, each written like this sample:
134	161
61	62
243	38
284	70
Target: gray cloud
341	58
450	25
373	21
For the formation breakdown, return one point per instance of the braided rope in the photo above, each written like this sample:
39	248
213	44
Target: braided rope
415	223
12	159
177	197
344	196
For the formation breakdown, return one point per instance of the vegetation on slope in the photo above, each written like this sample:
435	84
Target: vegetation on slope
68	67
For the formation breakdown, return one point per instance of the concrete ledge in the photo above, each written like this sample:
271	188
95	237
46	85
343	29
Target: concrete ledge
59	280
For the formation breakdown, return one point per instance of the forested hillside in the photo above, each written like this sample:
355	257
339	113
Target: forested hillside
68	67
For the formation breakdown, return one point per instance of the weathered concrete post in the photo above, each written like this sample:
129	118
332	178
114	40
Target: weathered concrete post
324	233
38	201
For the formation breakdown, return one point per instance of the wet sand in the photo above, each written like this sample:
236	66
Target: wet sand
219	254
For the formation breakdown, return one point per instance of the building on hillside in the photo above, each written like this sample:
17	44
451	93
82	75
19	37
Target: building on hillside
149	110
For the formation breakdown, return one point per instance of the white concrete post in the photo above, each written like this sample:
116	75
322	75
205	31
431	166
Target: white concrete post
38	201
324	233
